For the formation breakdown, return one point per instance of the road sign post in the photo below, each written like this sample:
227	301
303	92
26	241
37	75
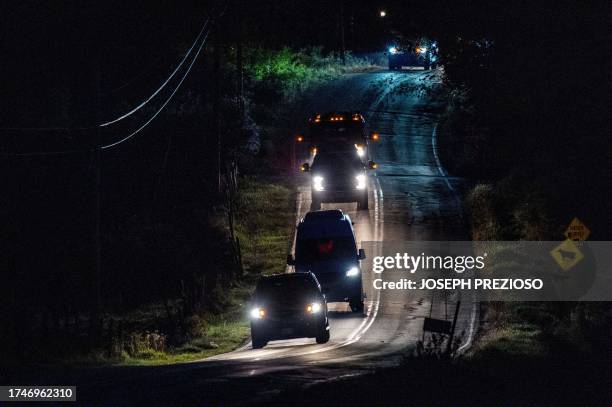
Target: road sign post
452	331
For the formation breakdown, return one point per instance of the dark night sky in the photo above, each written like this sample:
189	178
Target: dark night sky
48	50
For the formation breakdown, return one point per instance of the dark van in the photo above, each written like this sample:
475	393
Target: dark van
326	246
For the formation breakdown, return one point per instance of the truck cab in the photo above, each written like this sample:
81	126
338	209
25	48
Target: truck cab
326	246
340	131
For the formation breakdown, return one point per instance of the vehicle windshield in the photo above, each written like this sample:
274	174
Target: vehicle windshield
282	289
337	133
344	161
325	249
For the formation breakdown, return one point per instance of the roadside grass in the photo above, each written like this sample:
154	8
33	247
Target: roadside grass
505	335
219	337
265	221
289	73
265	224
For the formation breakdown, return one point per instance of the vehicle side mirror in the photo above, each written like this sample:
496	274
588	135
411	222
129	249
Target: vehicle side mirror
361	255
290	260
305	167
372	165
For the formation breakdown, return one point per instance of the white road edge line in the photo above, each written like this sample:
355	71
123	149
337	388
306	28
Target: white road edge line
474	312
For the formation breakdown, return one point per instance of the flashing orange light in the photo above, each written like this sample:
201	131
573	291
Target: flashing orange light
262	313
375	136
309	308
299	138
313	150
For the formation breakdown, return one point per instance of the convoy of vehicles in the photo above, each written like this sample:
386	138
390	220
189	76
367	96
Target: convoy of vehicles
327	261
417	53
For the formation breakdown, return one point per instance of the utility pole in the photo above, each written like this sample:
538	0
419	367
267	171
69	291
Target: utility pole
216	97
239	62
342	44
449	346
97	181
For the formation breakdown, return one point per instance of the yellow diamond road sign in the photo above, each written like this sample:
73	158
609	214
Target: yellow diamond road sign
577	230
566	255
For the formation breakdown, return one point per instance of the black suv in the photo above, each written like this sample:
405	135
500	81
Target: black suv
287	306
338	177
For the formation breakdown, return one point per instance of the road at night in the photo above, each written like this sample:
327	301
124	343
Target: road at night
411	198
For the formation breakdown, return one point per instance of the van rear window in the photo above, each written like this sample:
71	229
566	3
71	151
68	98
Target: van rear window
322	249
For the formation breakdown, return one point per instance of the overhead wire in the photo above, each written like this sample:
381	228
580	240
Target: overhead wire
126	138
142	104
163	85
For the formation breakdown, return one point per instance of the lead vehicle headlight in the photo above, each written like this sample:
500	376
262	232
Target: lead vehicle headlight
313	308
317	183
360	150
352	272
361	181
257	313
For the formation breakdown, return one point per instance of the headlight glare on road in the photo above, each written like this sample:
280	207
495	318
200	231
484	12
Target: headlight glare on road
361	181
258	313
313	308
317	183
352	272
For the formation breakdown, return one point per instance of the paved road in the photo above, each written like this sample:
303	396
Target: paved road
410	199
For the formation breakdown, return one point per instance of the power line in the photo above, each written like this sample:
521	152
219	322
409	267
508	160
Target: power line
73	151
173	92
138	130
123	116
163	105
163	85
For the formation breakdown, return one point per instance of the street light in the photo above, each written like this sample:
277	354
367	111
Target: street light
383	13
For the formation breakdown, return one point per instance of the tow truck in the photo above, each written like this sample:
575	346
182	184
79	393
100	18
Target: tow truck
335	131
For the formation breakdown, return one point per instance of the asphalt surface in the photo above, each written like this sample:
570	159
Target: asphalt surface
411	198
